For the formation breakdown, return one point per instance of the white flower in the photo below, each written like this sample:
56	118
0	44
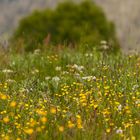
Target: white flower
56	79
75	66
89	78
10	81
135	87
104	45
120	107
58	68
103	42
65	72
93	69
86	54
119	131
35	71
37	51
77	74
7	71
89	54
79	68
137	102
47	78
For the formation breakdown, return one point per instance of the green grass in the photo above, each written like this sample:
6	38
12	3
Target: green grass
71	95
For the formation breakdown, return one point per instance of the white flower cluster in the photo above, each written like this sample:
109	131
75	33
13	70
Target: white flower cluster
88	54
56	79
58	68
7	71
104	45
79	68
89	78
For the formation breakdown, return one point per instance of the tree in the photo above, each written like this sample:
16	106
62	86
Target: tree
68	23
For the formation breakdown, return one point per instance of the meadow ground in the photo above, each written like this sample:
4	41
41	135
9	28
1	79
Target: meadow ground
71	95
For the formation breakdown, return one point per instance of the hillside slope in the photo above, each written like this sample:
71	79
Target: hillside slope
125	14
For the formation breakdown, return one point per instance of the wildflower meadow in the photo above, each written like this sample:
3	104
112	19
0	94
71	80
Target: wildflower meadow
70	95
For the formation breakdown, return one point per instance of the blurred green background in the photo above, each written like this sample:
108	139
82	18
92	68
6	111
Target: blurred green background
126	20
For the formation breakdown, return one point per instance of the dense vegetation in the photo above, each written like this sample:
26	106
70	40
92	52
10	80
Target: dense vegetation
71	95
68	24
63	93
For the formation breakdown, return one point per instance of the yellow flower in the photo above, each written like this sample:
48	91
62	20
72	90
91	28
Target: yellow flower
42	127
78	116
127	125
133	138
38	129
41	112
79	122
61	128
3	97
32	122
107	87
108	130
79	125
43	120
29	131
137	122
13	104
6	120
53	110
70	124
95	106
6	138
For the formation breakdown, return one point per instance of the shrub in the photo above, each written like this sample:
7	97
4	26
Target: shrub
68	23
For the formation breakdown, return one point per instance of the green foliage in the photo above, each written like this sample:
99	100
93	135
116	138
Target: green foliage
90	96
68	24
